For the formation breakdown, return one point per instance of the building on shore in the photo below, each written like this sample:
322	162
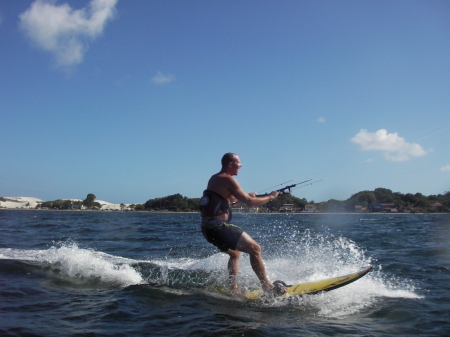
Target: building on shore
310	208
286	208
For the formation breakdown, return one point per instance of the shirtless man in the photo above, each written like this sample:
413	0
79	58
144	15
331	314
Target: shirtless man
223	189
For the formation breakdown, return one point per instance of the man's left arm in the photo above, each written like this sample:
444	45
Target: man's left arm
233	199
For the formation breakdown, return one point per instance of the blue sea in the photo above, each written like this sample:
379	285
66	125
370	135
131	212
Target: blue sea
75	273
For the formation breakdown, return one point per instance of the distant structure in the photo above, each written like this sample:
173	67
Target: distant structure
386	208
310	208
287	208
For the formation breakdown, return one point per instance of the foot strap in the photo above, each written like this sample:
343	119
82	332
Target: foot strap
278	290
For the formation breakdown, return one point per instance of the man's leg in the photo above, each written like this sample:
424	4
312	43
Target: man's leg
247	245
233	268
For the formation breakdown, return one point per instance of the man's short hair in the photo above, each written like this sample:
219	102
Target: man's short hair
227	158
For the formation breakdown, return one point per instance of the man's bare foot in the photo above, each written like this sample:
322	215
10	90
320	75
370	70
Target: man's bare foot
267	286
235	290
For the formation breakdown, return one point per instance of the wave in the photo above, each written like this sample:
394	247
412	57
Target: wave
77	266
303	258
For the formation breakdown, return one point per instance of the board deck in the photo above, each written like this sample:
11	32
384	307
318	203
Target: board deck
314	287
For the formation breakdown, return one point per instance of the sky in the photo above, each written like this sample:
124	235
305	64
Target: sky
135	100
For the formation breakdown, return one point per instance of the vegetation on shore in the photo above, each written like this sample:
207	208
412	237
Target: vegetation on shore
88	203
364	199
179	203
380	195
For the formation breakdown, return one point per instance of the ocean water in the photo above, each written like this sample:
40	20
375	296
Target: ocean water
148	274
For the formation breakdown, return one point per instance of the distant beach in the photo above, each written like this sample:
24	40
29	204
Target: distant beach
31	203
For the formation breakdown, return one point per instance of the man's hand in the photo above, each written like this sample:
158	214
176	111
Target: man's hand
274	194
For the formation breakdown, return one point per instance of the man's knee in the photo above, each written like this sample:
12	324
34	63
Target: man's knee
247	245
254	248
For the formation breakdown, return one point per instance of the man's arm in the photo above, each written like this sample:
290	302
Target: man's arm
248	199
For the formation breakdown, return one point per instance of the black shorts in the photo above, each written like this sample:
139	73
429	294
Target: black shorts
221	234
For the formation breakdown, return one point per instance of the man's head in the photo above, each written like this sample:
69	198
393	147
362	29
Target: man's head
231	163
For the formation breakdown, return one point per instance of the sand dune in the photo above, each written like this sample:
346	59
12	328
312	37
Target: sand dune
20	202
30	202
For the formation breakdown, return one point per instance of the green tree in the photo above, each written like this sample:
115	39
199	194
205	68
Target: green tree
384	195
334	206
422	203
173	203
363	198
89	202
287	198
139	207
58	204
90	198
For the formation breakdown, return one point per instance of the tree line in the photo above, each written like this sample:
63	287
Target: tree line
364	199
88	203
401	201
179	203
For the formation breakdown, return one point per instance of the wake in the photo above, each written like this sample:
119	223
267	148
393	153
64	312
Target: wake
304	258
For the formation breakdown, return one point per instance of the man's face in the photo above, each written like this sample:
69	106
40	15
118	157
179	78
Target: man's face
235	165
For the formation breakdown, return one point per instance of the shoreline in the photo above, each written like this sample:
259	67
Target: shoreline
195	212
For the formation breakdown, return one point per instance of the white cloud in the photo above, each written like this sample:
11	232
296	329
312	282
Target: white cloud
161	78
321	120
445	168
63	31
394	148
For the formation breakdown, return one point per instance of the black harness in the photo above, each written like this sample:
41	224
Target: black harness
213	204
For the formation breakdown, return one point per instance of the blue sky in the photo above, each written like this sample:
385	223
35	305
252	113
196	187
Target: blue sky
132	100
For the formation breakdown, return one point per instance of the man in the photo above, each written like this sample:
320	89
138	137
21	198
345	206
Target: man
223	189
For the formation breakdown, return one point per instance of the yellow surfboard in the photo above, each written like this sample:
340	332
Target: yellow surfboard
314	287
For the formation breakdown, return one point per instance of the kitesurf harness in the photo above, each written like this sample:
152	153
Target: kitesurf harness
213	204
